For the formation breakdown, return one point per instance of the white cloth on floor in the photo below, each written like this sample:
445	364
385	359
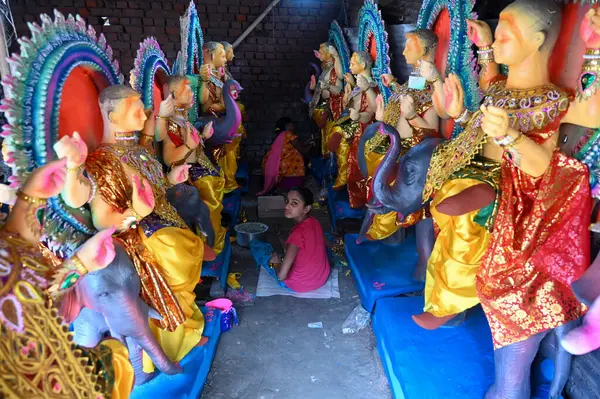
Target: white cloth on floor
267	286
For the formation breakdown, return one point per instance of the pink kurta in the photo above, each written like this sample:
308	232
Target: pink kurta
310	269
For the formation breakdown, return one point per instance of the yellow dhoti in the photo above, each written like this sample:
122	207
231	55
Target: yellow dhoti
383	226
123	370
211	190
457	254
228	164
179	254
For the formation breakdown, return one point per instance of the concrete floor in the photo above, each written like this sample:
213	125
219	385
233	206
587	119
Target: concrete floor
273	354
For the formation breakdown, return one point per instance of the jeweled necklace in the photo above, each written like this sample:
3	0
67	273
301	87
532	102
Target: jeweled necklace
127	137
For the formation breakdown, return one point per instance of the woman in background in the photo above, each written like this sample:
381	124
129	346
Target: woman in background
283	166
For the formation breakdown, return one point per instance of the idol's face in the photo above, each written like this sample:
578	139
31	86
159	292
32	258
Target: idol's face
219	56
413	51
184	96
230	54
516	38
324	55
129	115
356	65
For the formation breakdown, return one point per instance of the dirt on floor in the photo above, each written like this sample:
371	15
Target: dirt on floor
273	354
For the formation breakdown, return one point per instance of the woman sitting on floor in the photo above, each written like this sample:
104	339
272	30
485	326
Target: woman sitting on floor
305	266
283	166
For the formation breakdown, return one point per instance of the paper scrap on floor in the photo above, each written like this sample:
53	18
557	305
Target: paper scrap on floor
267	286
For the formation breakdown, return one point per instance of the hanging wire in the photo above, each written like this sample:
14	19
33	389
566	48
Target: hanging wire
9	27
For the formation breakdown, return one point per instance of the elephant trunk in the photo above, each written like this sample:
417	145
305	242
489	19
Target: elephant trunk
150	345
370	131
382	191
225	129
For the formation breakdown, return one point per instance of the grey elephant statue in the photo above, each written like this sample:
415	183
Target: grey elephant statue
404	195
226	127
194	212
107	303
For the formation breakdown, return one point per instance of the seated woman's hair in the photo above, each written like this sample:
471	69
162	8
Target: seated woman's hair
305	194
282	123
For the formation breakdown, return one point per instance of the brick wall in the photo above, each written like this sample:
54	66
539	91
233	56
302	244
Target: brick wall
271	63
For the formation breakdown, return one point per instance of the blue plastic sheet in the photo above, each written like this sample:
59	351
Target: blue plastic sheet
380	270
448	363
339	207
262	251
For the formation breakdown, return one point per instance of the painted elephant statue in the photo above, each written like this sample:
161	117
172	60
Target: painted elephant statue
404	195
225	128
308	93
107	303
194	212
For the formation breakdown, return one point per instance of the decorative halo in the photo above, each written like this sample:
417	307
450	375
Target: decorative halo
336	37
57	50
149	62
373	39
192	41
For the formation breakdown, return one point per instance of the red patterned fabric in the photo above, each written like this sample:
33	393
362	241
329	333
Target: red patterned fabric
357	185
336	101
540	244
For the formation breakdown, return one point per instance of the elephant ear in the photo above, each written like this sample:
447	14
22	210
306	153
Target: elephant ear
70	306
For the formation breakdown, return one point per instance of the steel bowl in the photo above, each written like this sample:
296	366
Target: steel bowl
246	232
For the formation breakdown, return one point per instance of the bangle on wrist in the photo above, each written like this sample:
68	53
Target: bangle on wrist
34	201
164	118
464	117
76	170
437	79
514	142
412	117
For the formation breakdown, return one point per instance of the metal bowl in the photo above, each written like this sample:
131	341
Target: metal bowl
247	232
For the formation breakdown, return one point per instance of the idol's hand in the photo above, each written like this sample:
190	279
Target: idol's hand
590	28
192	139
132	79
363	83
354	114
97	252
167	107
495	121
428	70
347	92
313	83
208	131
387	79
349	79
407	107
205	72
142	199
73	149
179	174
47	181
380	108
453	96
479	33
